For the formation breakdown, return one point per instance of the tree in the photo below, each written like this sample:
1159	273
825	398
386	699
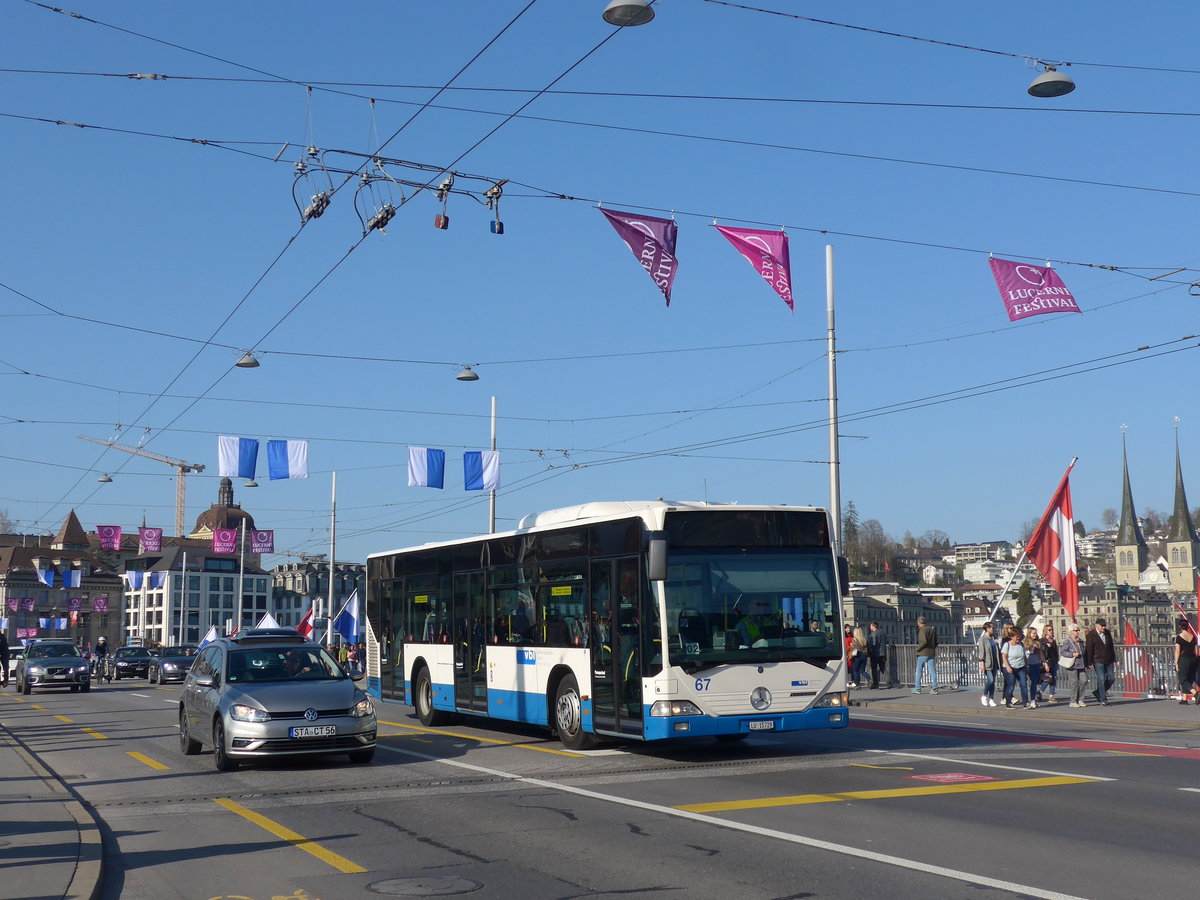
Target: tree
1109	518
1153	521
1024	602
849	523
935	539
1080	531
910	542
1027	528
6	524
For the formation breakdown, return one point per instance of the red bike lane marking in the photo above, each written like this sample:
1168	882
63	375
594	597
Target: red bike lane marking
1006	738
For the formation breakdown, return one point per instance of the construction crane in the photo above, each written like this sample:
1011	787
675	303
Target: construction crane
181	469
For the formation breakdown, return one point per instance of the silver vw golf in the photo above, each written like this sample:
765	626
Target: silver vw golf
270	692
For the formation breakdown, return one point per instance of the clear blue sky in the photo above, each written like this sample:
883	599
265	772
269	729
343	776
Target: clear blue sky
603	392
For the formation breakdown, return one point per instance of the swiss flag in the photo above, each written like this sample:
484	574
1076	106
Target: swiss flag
1138	671
1052	546
306	626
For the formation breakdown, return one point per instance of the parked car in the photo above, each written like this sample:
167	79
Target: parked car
52	664
132	662
269	692
171	664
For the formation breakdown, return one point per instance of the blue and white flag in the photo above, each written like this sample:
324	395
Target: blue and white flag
157	580
426	467
60	623
236	457
481	470
134	579
45	576
346	623
287	459
209	636
70	578
3	623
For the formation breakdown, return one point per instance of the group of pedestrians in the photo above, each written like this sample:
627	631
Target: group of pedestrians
1038	665
863	649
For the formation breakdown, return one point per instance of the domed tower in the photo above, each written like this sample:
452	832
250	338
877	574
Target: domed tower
222	514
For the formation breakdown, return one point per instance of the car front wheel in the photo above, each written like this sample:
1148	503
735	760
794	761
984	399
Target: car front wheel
188	745
221	758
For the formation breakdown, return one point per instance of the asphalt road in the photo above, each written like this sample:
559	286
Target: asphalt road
896	806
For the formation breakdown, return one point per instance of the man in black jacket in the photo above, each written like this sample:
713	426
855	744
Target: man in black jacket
1100	656
876	653
3	659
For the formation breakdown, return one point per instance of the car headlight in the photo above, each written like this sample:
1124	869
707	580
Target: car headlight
834	699
244	713
363	708
36	670
82	668
675	708
170	667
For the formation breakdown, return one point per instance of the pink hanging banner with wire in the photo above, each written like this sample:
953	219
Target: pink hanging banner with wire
225	540
652	242
767	251
150	539
262	541
110	537
1031	290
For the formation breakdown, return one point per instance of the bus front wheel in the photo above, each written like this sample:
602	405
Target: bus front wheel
423	700
568	716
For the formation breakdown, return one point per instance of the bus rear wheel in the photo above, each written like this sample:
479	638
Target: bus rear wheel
423	700
568	716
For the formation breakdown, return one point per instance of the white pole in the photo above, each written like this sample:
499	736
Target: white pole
492	494
332	559
1007	585
835	477
182	598
241	576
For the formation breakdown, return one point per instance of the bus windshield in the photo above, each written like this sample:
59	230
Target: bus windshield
751	607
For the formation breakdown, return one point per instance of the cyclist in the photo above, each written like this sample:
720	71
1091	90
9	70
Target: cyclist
101	660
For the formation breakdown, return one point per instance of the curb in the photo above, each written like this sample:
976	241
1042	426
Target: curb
89	866
1078	716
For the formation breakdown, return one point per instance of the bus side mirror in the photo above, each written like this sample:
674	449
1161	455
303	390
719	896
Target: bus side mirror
656	556
844	575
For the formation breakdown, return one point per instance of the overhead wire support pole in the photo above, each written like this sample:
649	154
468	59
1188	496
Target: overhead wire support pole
835	477
492	493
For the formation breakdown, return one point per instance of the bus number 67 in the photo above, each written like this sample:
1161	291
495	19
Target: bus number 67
703	684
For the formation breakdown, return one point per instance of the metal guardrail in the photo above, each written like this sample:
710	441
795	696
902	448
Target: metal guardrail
1147	670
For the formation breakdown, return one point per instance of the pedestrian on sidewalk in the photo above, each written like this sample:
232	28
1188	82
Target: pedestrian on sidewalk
1050	659
877	653
927	642
1185	659
1015	670
1070	666
1034	662
3	658
1100	657
989	663
858	658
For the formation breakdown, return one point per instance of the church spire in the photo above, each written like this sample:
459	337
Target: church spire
1182	528
1129	532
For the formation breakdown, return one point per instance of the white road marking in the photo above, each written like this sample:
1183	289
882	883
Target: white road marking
1193	790
986	765
139	695
846	850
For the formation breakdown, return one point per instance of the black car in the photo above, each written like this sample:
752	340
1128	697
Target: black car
132	662
172	664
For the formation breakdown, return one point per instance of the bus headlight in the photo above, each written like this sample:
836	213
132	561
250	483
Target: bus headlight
834	699
675	708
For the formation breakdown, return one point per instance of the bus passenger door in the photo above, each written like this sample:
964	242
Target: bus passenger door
613	638
470	624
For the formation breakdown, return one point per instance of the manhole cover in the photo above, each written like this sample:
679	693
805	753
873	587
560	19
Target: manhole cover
425	886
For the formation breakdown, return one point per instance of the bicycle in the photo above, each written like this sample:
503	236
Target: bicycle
102	669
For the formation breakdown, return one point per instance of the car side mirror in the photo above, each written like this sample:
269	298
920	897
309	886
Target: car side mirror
204	681
656	556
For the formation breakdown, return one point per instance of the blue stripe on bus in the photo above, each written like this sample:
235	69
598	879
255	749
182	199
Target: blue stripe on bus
517	706
707	726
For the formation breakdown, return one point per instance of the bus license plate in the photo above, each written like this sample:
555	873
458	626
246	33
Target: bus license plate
303	731
764	725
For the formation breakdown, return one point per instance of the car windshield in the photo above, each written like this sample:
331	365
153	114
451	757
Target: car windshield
127	652
50	650
260	664
179	651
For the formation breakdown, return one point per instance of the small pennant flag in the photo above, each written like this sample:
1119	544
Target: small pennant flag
70	578
100	604
287	459
13	604
426	467
1031	290
346	623
237	457
267	621
4	623
73	616
150	539
225	540
61	622
28	603
209	636
306	626
767	251
481	470
110	537
651	240
262	541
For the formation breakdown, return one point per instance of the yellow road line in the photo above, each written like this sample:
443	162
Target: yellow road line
97	735
923	791
327	856
142	758
35	706
471	737
65	719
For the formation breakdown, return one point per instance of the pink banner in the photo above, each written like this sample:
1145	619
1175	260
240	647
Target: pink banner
100	604
150	539
1031	290
262	541
27	604
652	242
12	604
110	537
74	603
225	540
27	633
767	251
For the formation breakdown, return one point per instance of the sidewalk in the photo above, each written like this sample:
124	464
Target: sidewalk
1120	711
49	844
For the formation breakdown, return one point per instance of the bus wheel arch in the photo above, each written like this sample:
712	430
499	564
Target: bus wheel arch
567	711
423	696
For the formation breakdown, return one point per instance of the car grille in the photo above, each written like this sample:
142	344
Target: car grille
299	714
311	745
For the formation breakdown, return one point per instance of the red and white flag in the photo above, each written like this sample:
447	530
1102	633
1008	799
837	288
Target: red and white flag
1139	673
1052	546
306	626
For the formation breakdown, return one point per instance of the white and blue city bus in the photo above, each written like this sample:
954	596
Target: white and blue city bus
631	620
